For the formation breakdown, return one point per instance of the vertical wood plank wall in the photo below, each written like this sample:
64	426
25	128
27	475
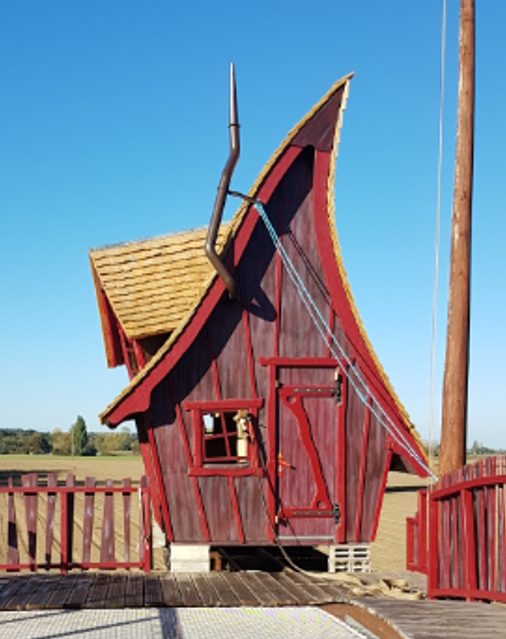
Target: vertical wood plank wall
223	362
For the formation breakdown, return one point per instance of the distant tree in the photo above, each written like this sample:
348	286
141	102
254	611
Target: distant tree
79	435
124	439
38	444
60	442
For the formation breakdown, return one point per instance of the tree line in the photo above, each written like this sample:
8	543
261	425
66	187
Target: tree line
76	441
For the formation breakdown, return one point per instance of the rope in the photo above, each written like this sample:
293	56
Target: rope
359	385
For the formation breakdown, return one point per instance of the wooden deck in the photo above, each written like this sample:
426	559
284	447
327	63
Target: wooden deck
412	619
121	590
440	619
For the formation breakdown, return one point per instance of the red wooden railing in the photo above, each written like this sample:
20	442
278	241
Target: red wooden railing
416	537
467	533
64	498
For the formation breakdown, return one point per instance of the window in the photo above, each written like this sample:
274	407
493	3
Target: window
220	437
224	434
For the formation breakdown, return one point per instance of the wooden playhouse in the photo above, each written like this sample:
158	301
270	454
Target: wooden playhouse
270	417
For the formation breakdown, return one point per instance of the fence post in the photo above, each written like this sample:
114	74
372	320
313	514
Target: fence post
67	524
31	481
12	534
146	524
421	559
433	567
410	543
469	543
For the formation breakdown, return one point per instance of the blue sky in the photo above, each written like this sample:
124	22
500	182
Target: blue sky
113	122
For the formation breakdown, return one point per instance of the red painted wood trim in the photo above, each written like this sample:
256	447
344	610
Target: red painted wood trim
341	460
127	497
469	484
271	486
469	541
12	549
234	471
124	350
160	488
363	465
306	391
110	323
51	508
137	401
30	499
433	567
411	524
89	511
67	518
235	507
65	490
84	565
146	536
107	545
340	300
297	409
302	362
279	281
249	353
224	405
491	524
306	512
139	354
381	493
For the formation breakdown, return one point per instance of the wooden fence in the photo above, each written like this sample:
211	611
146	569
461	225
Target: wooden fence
416	537
467	534
62	498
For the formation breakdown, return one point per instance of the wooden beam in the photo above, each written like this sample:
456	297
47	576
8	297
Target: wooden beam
455	387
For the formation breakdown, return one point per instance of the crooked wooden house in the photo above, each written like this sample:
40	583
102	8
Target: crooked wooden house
255	423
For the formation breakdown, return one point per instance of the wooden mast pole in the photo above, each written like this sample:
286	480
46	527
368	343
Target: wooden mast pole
455	388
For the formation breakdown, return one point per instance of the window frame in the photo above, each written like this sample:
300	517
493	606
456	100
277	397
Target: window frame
235	466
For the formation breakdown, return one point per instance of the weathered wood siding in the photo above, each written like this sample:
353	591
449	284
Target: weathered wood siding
223	362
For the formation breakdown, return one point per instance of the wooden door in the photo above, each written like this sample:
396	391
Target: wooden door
307	457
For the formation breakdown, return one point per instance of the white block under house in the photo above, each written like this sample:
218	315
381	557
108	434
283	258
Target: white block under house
189	558
350	558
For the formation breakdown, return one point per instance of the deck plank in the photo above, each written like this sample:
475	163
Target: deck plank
79	593
60	594
264	596
134	591
205	588
440	619
241	590
152	592
116	595
225	593
97	596
15	583
42	595
189	592
23	595
170	591
280	594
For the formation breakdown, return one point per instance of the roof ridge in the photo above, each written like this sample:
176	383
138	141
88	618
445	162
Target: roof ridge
153	238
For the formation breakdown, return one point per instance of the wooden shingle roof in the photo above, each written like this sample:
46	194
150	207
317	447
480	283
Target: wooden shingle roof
151	284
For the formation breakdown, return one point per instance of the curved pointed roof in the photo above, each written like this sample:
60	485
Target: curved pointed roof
321	128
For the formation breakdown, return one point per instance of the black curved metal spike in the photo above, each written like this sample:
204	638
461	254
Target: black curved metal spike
221	196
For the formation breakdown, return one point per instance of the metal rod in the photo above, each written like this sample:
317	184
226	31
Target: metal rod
455	388
221	196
